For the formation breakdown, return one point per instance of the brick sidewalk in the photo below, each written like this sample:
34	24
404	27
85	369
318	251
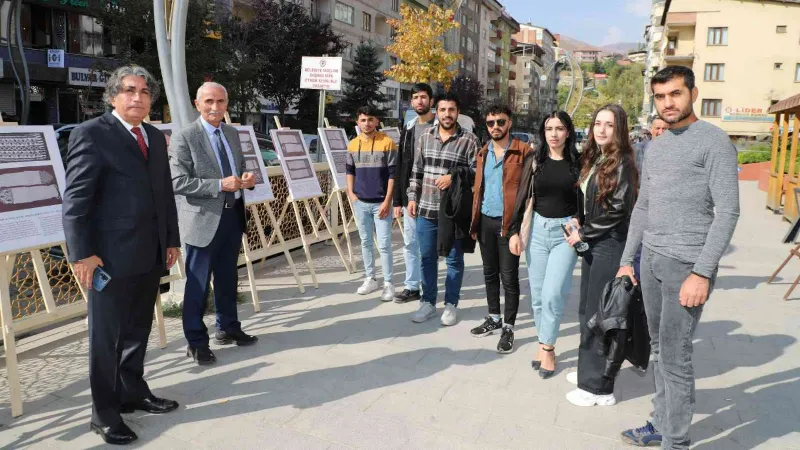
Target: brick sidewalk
335	370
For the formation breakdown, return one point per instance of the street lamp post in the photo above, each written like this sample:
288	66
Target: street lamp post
170	23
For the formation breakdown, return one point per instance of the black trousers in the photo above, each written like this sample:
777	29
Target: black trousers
600	265
120	320
218	258
499	264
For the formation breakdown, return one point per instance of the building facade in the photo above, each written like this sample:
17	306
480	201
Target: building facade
745	56
653	33
501	42
469	16
71	92
549	69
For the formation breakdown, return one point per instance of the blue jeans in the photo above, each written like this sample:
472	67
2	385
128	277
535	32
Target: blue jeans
411	251
367	218
550	264
427	237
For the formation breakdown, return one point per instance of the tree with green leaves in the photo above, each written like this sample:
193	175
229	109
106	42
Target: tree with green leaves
470	96
287	34
364	80
241	65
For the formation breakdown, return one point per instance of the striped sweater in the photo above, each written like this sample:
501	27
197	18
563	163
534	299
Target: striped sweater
371	161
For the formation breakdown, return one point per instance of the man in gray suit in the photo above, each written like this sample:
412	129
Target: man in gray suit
208	170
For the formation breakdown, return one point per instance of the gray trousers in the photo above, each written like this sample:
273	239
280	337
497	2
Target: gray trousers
671	329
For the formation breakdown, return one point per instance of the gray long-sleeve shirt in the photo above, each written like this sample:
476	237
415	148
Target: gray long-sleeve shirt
688	204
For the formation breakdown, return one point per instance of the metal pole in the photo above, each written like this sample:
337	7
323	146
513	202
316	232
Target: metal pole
164	59
178	50
320	120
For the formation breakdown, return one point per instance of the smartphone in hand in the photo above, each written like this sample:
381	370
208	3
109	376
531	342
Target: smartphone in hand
100	279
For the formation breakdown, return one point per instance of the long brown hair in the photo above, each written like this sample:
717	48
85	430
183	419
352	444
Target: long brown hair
618	152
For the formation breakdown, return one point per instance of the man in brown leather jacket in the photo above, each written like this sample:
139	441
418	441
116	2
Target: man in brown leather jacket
497	177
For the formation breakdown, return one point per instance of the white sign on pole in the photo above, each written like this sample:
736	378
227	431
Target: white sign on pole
254	163
55	58
323	72
297	167
334	140
31	188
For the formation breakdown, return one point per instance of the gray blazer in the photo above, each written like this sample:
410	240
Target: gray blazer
195	178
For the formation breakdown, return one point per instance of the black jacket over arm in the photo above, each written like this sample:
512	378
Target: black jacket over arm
405	162
117	205
613	216
455	212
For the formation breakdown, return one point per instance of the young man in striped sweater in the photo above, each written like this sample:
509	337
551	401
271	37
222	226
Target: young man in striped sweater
371	161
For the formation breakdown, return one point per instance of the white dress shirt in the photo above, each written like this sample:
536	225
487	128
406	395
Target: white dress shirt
210	129
129	127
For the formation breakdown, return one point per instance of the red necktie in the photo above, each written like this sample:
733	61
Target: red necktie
140	140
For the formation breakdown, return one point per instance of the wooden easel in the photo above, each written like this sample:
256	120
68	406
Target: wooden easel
315	228
795	252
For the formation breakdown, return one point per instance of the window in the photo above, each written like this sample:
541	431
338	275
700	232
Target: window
396	5
84	35
539	35
712	108
463	41
470	46
797	73
461	63
484	34
778	66
525	105
474	67
366	22
344	13
715	72
781	29
718	36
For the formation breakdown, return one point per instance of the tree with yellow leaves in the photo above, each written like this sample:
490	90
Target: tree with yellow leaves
419	46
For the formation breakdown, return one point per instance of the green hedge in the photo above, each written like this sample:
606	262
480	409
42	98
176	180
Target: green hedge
749	157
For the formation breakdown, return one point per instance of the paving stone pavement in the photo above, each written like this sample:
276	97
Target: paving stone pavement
335	370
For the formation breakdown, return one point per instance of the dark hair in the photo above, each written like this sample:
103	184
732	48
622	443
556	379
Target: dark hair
669	73
498	108
422	87
448	96
570	152
369	111
619	152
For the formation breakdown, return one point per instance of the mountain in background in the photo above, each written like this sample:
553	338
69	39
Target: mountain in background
572	44
621	47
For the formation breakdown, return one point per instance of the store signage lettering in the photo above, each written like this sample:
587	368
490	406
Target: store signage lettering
87	77
746	115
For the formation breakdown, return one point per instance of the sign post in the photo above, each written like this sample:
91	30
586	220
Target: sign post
322	73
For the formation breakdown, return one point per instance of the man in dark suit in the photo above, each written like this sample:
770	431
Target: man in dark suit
208	171
119	213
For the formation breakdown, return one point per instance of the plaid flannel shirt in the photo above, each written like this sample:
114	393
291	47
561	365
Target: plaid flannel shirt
435	158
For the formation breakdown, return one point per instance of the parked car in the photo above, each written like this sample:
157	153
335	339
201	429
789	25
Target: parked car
315	151
62	137
267	149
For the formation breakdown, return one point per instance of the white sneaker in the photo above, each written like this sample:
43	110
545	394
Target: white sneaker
449	316
425	312
572	378
579	397
370	284
388	292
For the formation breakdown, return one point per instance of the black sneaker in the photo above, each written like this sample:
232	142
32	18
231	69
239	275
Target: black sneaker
486	328
506	344
406	296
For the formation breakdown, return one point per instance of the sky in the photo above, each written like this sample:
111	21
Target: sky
596	22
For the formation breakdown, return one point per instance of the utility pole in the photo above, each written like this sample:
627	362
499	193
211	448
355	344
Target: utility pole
170	23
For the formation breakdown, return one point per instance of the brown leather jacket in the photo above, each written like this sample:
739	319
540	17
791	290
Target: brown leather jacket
514	158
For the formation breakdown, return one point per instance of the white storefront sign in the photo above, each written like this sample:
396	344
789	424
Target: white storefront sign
87	77
55	58
321	73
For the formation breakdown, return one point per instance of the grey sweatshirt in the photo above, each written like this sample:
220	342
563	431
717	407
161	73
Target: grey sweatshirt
688	204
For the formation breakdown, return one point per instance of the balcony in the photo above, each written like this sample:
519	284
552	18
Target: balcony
498	51
499	34
676	56
681	19
512	75
493	86
513	59
514	43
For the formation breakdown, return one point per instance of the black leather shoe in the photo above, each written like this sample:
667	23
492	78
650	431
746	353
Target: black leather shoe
152	404
203	355
238	337
117	435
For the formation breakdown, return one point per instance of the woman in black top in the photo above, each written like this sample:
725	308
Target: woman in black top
605	203
550	176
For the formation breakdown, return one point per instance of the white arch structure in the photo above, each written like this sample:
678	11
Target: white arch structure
170	22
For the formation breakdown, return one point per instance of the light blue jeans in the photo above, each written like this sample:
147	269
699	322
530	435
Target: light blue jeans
411	251
550	263
366	219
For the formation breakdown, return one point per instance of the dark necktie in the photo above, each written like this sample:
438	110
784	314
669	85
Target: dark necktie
140	140
219	147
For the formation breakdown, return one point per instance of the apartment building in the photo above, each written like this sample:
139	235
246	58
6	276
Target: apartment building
528	99
490	12
745	55
501	41
546	41
653	34
469	16
587	55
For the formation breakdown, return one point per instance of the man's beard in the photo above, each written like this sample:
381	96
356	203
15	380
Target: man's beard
502	136
684	115
442	124
422	111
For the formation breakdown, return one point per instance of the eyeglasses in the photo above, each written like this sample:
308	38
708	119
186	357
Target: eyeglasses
500	123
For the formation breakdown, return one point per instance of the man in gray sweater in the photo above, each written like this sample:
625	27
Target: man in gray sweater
684	218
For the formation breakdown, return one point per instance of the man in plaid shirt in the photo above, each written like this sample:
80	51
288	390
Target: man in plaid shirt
441	149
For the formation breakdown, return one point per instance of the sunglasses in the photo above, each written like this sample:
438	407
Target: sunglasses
500	123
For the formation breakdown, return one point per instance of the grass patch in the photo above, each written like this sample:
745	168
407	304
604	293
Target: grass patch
175	310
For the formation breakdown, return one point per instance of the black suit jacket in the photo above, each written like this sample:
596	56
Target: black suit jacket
117	205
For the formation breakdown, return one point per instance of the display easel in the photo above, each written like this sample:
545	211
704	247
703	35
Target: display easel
315	228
